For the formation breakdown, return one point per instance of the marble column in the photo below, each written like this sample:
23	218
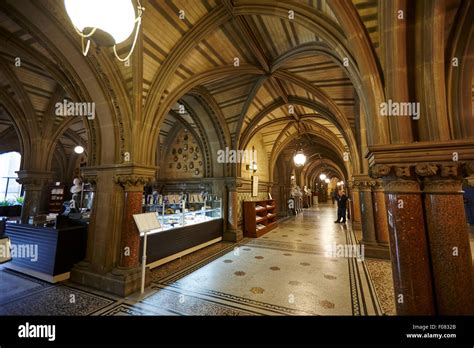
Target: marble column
448	239
367	211
380	214
355	203
130	236
409	247
33	183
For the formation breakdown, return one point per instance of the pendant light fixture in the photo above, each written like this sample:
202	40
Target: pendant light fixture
322	177
299	157
107	22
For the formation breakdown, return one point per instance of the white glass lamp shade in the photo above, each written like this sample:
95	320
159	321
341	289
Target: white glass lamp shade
299	159
322	176
78	149
115	17
327	181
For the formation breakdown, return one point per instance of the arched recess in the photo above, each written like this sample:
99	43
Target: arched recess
180	122
323	149
339	121
327	166
151	131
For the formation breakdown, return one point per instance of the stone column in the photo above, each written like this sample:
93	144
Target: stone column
233	233
379	248
409	247
365	184
448	238
112	258
34	183
355	200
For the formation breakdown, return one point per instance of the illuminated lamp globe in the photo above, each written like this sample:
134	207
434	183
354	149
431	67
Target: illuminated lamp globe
114	20
327	181
79	149
322	176
299	159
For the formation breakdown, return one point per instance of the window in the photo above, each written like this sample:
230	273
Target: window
9	164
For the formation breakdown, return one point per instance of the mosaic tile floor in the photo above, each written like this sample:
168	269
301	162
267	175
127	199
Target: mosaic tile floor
285	272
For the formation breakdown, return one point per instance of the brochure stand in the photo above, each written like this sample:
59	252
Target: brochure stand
147	222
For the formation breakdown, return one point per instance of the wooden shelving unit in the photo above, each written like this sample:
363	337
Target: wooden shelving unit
56	198
259	217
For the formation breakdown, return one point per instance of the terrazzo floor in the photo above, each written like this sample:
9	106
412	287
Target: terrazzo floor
288	271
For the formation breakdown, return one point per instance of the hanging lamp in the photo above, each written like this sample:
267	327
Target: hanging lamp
107	22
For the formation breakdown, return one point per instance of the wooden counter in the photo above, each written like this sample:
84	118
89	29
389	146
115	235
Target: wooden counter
57	250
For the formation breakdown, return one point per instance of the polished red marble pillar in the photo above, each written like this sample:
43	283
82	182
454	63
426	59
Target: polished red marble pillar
448	237
380	214
408	245
130	237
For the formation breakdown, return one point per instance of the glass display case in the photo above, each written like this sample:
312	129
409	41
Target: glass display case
174	211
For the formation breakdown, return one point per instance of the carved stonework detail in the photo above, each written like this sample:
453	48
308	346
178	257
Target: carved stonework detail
436	177
379	170
469	168
32	180
449	170
132	182
234	185
426	169
403	171
378	185
401	186
469	173
437	185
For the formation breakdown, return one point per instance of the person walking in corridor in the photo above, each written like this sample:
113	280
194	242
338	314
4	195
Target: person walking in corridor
341	206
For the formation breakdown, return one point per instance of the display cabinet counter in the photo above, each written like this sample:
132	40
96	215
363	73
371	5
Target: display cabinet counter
46	253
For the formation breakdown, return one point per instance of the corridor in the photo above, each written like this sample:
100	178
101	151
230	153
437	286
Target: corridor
288	271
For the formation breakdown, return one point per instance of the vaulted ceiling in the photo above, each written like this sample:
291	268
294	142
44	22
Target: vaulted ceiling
241	68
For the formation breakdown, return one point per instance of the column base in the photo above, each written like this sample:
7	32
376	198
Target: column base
120	282
233	235
357	225
376	251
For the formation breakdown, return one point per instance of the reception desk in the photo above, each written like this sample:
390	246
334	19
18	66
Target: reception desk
46	253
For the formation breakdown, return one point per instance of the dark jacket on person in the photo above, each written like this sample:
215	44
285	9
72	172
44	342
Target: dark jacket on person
342	201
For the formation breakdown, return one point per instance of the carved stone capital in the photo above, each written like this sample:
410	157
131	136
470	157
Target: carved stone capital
379	170
426	169
234	184
132	182
378	185
90	179
363	182
442	185
401	186
34	180
450	170
403	171
468	169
